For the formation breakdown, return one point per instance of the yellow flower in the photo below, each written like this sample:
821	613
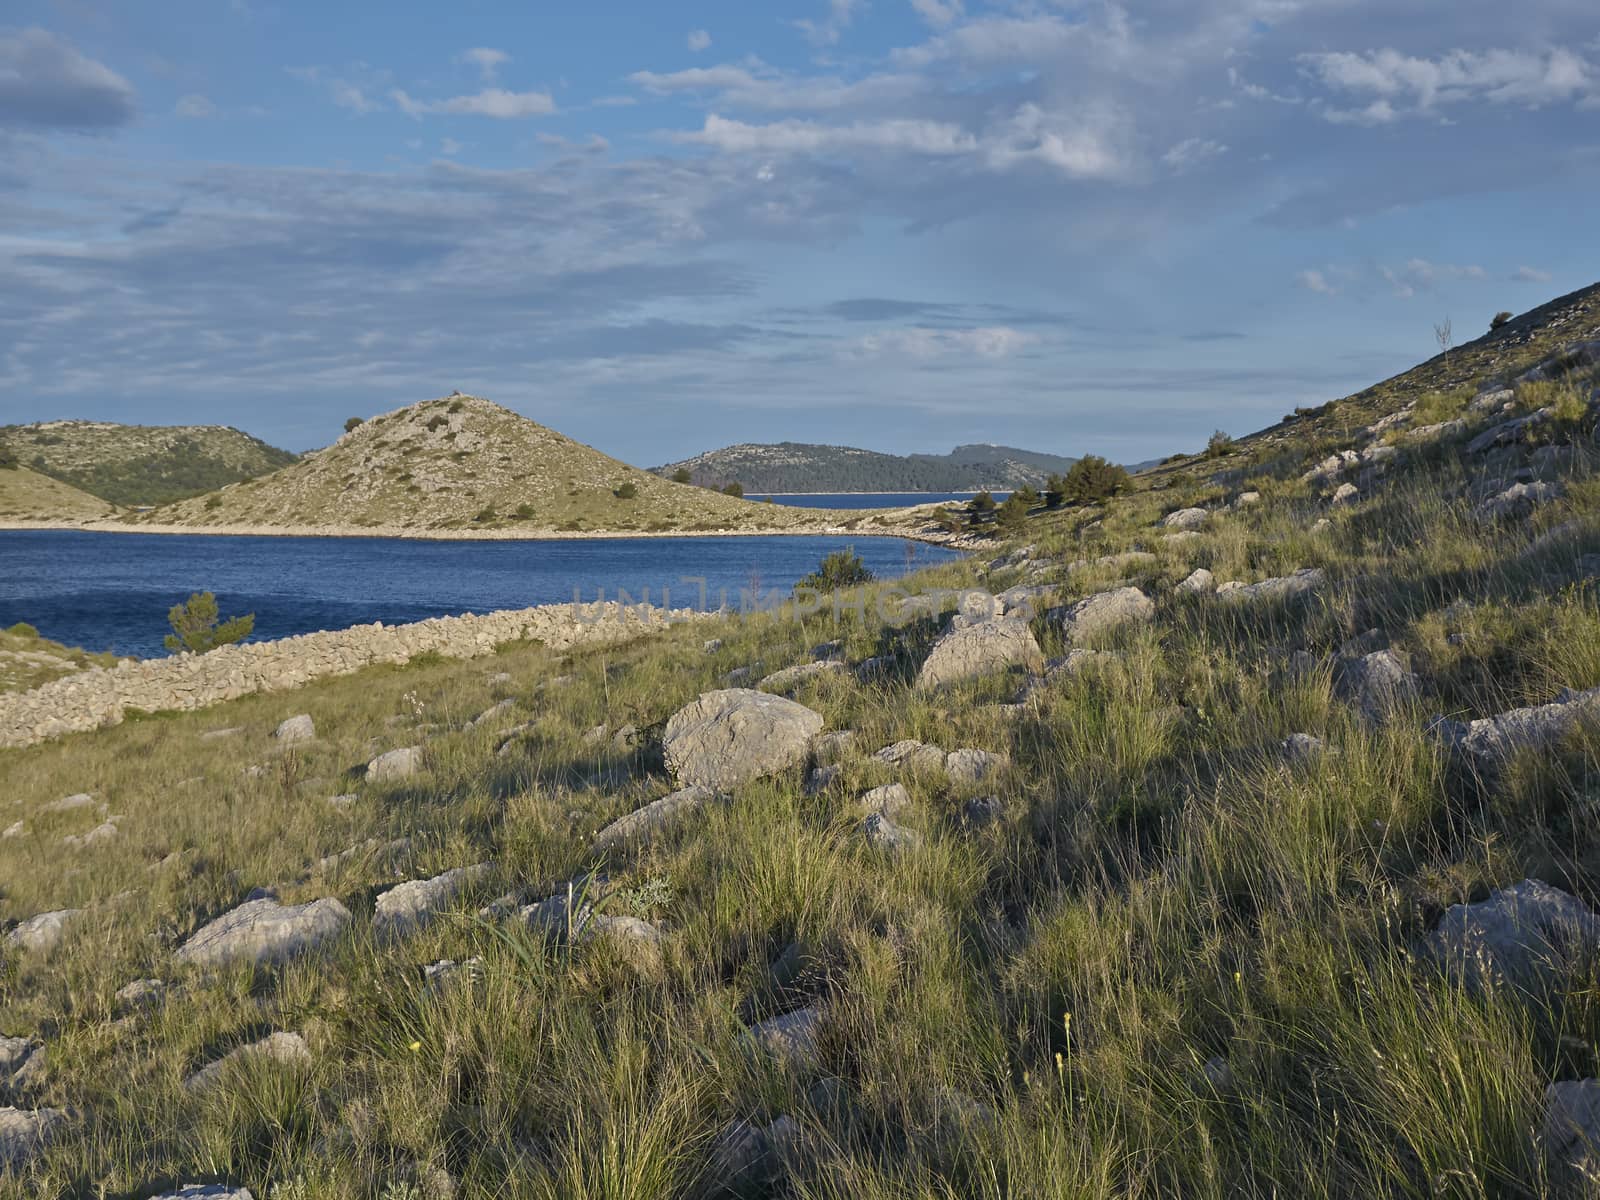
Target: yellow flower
414	1047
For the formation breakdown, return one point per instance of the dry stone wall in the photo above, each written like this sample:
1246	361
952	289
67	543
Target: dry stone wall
101	696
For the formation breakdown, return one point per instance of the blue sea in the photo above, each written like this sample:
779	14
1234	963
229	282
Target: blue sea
111	591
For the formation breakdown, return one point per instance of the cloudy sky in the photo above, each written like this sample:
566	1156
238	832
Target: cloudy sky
663	227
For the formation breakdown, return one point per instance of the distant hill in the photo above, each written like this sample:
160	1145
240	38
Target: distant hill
804	467
465	463
133	465
29	496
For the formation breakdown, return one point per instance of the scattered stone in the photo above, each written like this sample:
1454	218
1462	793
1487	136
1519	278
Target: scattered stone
712	645
968	766
1105	611
1570	1132
395	765
500	679
1438	432
1180	538
24	1133
974	651
912	755
740	675
1490	740
446	970
15	1052
1302	748
1377	684
15	829
1285	587
644	823
828	651
1186	518
1014	558
820	779
1199	582
1246	499
43	933
1345	494
981	811
1528	936
626	739
562	917
1489	401
890	798
284	1049
262	932
1022	603
69	803
1218	1076
206	1191
748	1159
1319	525
1518	501
638	942
791	1038
1078	660
728	738
343	803
216	735
883	834
832	747
790	678
1331	466
103	832
1514	430
406	909
296	729
493	712
139	995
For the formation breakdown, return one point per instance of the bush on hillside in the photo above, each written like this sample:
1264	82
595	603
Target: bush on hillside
1092	480
1499	319
1219	444
946	520
980	510
1011	516
196	627
734	489
682	475
841	569
626	492
352	423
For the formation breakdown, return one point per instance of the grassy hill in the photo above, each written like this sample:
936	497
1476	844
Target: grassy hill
26	495
1192	931
465	463
141	464
28	660
804	467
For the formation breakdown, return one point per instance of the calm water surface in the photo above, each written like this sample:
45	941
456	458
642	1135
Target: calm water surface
112	590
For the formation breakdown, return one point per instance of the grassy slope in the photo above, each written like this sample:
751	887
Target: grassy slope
26	495
28	660
477	458
141	464
1160	889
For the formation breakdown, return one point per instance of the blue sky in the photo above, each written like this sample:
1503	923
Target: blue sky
660	228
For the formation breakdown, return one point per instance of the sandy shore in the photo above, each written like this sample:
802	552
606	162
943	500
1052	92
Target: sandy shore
910	532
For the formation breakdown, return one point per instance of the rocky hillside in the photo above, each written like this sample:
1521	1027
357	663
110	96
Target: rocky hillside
133	465
465	463
27	496
1234	837
789	467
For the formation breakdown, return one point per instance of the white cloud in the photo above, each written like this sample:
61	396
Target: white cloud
491	102
195	107
1420	275
45	83
488	61
1530	275
1403	84
1192	152
449	147
809	137
938	13
698	40
348	95
997	341
826	32
695	79
1315	281
1082	143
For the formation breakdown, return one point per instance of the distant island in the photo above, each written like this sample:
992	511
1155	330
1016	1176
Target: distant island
799	468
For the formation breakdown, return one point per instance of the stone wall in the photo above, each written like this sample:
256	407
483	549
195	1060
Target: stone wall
100	697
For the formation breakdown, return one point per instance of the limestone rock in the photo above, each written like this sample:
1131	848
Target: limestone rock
1105	611
1246	499
206	1191
1377	684
296	729
1490	740
24	1133
1302	748
284	1049
883	834
1518	501
103	832
644	823
912	755
15	1054
1570	1132
833	747
1527	936
791	1038
968	766
790	678
748	1159
1345	493
403	910
1285	587
1199	582
139	995
395	765
974	651
728	738
1186	518
44	932
1514	430
69	803
263	932
890	798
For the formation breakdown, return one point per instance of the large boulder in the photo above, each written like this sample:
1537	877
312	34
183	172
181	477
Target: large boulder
42	933
1571	1132
24	1133
405	909
296	729
790	678
980	649
395	765
730	737
1105	611
263	931
1491	740
912	756
1188	519
1528	936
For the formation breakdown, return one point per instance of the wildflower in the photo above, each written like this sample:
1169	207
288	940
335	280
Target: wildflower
414	1047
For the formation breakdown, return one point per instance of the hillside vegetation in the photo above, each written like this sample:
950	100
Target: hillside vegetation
801	467
26	495
132	465
1197	855
28	660
465	463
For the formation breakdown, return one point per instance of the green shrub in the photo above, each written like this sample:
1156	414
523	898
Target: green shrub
435	422
1011	516
8	459
682	475
841	569
196	628
524	511
1219	444
1093	480
626	492
734	489
946	520
980	510
352	423
1499	319
486	514
456	406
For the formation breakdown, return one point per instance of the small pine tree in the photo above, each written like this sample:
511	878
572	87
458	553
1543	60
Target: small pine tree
841	569
734	489
1027	494
682	475
352	423
1093	480
980	510
1499	319
1219	445
1012	516
196	629
1055	491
